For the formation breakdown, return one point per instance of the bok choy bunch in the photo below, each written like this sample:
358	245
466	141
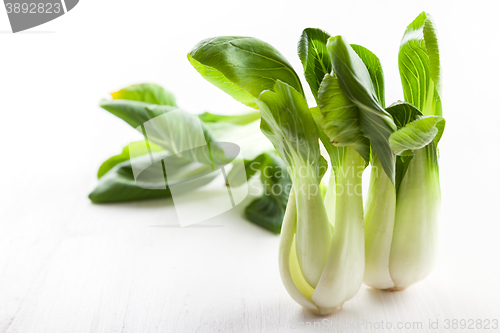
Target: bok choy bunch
402	220
322	243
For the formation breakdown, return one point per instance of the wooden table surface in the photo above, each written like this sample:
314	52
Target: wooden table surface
69	266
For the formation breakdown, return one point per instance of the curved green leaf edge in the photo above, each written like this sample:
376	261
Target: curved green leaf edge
403	113
118	185
416	134
146	92
125	155
243	67
242	119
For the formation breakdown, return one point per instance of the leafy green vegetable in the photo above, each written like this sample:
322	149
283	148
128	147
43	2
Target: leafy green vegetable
402	222
323	253
313	267
414	242
116	178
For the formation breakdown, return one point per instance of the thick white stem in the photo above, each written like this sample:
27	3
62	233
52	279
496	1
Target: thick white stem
313	234
379	225
343	272
415	238
298	292
330	198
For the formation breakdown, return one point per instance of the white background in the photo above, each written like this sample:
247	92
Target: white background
69	266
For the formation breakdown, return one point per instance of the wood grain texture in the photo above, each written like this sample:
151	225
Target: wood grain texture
78	267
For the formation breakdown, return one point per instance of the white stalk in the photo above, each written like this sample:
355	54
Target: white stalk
288	263
343	272
330	197
415	238
313	236
379	225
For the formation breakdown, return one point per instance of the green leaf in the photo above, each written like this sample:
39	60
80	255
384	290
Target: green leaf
419	65
177	133
267	211
243	119
336	154
287	122
242	67
341	117
416	135
356	83
374	67
118	185
146	92
314	57
403	113
125	156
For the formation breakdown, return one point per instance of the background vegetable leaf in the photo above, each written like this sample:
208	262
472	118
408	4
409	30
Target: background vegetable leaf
120	185
135	113
146	92
269	209
242	119
125	155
